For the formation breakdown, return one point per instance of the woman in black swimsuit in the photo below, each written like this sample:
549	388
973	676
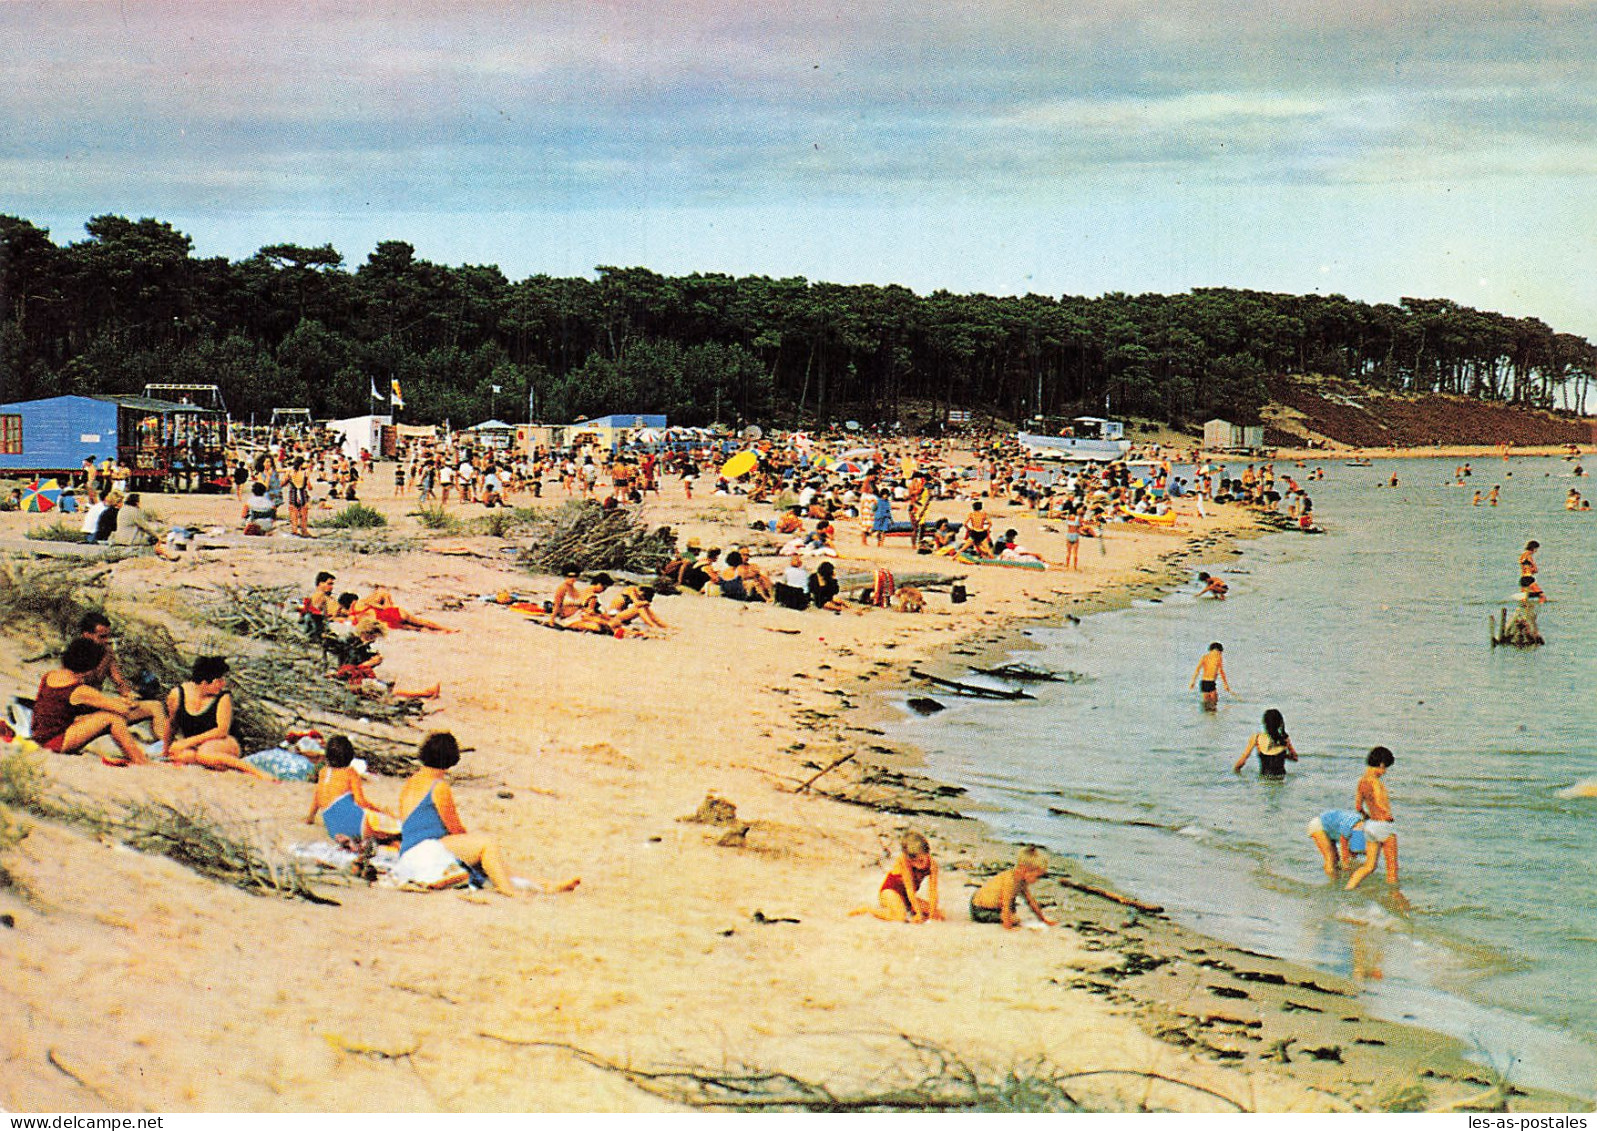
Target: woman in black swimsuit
201	710
299	500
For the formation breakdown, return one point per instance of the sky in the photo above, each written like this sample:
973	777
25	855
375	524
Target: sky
1372	149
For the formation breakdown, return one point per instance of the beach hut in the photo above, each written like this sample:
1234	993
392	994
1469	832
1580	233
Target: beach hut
166	445
373	433
494	435
1223	436
615	430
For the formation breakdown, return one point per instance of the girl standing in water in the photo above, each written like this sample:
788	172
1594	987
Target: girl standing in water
1274	747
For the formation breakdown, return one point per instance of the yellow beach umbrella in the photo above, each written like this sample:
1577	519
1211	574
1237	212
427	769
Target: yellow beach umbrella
740	464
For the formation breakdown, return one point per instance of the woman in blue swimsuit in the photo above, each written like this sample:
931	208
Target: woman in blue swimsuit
427	812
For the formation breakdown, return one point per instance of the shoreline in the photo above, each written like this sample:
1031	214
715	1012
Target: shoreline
681	945
989	650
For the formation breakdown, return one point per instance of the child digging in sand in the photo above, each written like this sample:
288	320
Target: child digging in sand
898	900
994	901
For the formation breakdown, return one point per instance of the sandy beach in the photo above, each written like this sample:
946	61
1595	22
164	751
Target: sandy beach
138	984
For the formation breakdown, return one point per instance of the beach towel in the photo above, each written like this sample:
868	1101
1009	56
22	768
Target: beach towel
883	588
972	559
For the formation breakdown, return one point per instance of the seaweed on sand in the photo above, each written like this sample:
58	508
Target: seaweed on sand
930	1077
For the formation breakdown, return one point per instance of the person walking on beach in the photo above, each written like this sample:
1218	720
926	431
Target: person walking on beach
1209	672
1380	830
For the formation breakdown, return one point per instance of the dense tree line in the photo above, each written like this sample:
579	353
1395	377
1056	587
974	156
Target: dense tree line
294	326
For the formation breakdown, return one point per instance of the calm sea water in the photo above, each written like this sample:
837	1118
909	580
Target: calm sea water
1375	633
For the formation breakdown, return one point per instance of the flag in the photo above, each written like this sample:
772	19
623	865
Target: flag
395	397
374	395
497	389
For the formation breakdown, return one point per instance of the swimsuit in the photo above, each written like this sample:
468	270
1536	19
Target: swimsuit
53	713
1206	686
985	914
188	725
895	882
423	823
1272	758
1335	824
344	817
388	615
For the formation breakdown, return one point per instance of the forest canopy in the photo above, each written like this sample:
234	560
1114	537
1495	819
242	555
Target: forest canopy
296	326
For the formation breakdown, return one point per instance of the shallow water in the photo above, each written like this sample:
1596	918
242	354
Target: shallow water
1375	633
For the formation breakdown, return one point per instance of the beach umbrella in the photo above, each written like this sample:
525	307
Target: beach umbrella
850	467
740	464
857	453
39	497
648	435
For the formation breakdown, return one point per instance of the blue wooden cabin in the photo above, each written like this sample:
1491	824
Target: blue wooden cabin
166	445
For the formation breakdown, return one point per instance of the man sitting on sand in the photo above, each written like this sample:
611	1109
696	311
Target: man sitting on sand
994	901
96	626
1213	587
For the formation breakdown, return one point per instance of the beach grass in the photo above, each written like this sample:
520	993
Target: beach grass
356	516
61	530
436	516
190	834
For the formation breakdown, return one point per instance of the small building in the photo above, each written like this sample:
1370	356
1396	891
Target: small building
166	445
1097	428
373	433
1223	436
494	435
613	431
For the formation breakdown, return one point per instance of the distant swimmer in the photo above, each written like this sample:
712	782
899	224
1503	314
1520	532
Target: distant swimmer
1392	482
1527	558
1339	835
1209	672
1274	747
1213	587
1476	501
1491	496
1380	827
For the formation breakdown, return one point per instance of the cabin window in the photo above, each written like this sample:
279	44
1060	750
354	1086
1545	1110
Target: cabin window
10	434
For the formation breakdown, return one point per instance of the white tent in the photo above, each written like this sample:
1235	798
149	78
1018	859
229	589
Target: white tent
359	432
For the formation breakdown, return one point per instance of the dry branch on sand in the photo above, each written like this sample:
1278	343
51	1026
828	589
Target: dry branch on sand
930	1078
584	535
190	835
51	595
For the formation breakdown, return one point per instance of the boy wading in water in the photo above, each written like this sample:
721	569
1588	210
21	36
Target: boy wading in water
1380	831
1210	670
